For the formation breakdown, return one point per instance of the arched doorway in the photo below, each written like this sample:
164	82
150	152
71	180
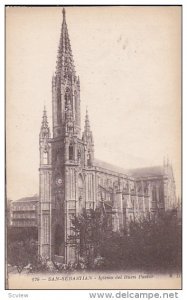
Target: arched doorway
59	240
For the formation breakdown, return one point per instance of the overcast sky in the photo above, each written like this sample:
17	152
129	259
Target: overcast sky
128	60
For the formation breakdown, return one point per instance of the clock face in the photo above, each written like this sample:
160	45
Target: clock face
59	181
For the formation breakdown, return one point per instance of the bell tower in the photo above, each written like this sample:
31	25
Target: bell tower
67	147
70	157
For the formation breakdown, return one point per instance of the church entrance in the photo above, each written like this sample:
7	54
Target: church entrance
59	241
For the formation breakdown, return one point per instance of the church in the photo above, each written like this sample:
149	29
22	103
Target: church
71	178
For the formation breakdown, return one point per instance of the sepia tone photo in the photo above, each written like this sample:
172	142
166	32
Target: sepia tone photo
93	147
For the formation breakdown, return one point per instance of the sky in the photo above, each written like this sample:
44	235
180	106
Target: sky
129	64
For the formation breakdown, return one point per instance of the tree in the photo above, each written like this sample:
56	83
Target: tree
155	243
150	244
88	231
22	253
22	233
22	246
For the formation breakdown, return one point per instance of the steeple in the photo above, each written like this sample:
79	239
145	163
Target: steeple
44	121
87	134
87	123
44	131
65	86
65	64
87	137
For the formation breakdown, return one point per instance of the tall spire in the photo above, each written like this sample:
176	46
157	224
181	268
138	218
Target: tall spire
87	122
45	131
87	138
44	118
87	134
65	64
65	87
64	14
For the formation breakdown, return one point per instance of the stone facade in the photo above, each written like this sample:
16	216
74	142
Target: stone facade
72	179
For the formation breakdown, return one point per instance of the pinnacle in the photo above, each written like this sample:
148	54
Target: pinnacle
44	118
87	123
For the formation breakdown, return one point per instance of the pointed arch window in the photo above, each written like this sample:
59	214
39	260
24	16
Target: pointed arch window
71	152
89	159
79	154
45	158
68	98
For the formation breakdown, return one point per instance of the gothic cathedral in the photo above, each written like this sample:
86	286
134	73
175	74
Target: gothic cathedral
72	179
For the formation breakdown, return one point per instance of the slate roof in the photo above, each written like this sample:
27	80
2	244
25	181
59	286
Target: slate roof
149	171
140	172
110	167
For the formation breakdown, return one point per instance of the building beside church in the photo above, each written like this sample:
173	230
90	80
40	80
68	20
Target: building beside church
23	213
71	178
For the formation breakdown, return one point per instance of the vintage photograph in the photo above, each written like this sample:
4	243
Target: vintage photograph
93	147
